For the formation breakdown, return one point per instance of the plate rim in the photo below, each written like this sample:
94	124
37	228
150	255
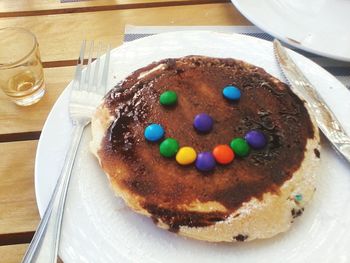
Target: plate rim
265	28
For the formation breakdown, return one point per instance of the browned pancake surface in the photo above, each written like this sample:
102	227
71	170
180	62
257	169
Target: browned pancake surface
266	104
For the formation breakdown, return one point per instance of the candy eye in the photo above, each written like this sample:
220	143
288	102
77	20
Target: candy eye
231	93
168	98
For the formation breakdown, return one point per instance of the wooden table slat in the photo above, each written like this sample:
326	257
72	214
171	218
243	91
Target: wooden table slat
60	36
20	123
18	211
13	253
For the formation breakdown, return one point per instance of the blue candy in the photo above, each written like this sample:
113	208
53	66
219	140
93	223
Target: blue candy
205	161
203	123
154	132
231	93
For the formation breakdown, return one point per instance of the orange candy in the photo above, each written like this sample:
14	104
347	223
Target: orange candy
223	154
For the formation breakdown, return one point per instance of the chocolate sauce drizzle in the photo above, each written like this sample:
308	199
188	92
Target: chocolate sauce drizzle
266	104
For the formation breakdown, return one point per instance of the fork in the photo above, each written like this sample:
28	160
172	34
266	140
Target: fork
85	95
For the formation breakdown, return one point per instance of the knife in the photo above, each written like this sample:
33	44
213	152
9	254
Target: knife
326	120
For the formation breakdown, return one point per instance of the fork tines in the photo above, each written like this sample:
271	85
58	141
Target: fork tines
96	81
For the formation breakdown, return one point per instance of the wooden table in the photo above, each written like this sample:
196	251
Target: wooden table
60	28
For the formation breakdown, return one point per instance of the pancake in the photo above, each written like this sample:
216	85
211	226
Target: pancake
254	197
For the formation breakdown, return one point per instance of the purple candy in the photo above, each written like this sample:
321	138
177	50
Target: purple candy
256	139
205	161
203	123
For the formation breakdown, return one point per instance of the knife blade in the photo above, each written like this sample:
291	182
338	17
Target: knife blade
325	118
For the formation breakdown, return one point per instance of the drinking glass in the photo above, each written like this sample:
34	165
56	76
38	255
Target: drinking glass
21	70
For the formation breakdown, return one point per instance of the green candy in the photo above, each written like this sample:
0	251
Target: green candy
298	197
169	147
240	147
168	98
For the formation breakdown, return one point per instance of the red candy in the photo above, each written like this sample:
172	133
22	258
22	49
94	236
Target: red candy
223	154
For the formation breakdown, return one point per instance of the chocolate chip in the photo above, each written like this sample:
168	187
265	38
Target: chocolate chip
155	220
297	212
317	153
240	237
179	71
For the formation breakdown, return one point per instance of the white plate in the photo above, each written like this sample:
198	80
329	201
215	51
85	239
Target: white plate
317	26
99	228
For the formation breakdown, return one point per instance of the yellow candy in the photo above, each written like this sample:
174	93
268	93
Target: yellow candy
186	155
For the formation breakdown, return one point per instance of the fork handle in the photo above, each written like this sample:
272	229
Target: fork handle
44	245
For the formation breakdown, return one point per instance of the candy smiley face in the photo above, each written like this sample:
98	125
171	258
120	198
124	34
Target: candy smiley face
203	123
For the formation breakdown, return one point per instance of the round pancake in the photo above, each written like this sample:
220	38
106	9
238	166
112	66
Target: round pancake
257	196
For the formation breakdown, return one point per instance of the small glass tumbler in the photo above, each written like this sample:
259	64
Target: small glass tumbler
21	70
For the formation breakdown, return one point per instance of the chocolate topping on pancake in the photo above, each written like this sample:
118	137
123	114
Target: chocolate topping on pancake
168	190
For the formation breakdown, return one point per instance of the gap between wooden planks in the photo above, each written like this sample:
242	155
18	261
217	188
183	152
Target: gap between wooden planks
10	8
16	238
